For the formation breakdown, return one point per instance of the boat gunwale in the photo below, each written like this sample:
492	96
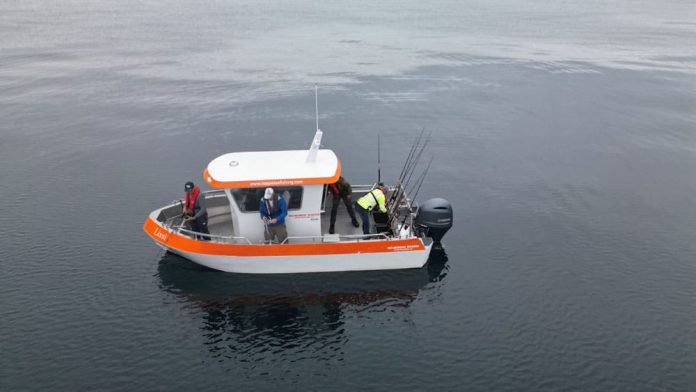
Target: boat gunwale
170	238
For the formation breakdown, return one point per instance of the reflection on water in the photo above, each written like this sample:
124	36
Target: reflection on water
246	317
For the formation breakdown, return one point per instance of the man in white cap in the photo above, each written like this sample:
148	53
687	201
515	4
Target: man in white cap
273	210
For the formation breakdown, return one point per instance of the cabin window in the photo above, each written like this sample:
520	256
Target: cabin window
248	199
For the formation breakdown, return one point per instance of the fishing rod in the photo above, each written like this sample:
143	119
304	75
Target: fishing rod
379	162
413	163
402	191
417	158
267	219
413	159
422	179
408	166
410	154
419	182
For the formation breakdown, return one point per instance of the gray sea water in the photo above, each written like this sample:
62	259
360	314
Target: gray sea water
564	134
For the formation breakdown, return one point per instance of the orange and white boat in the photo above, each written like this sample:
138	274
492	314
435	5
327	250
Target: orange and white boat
403	239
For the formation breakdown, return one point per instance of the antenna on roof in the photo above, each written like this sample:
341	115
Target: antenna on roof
316	142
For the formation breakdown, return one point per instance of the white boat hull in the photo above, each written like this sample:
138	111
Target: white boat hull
304	264
378	254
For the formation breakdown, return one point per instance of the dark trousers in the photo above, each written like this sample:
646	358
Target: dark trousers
200	225
335	201
364	216
279	232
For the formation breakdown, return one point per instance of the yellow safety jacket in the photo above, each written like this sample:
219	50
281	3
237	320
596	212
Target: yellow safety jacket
371	199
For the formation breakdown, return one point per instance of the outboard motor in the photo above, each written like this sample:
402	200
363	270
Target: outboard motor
434	218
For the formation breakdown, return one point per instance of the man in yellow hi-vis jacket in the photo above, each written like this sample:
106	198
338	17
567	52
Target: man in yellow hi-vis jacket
365	204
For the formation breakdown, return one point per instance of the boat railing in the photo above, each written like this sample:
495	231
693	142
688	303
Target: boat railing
215	193
331	238
407	208
361	188
213	237
168	219
172	220
337	238
176	223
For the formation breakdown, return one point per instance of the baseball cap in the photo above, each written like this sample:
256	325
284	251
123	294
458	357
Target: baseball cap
268	194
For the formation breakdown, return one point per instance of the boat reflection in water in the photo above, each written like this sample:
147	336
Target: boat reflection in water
246	316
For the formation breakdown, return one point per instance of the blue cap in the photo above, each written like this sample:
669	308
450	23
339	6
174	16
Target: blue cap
188	186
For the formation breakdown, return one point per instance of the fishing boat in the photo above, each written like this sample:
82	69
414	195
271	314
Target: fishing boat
401	238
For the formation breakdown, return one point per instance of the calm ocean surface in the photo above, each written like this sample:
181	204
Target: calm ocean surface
564	136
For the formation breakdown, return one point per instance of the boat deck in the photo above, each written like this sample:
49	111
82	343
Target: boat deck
343	225
220	222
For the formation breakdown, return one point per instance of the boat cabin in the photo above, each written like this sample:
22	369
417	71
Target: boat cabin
244	176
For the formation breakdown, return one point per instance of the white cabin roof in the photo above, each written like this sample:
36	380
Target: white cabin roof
272	168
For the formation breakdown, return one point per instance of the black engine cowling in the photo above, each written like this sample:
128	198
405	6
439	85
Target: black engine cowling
434	218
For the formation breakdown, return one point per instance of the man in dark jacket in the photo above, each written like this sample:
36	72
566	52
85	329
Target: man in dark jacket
195	211
273	210
341	190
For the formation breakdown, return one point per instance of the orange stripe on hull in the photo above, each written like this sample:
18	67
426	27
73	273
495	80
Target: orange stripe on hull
186	244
